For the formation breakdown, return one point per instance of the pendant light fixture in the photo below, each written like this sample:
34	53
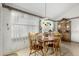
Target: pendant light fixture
45	16
45	9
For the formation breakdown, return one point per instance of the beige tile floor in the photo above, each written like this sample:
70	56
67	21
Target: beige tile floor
72	47
67	49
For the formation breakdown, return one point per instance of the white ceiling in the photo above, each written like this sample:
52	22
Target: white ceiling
53	10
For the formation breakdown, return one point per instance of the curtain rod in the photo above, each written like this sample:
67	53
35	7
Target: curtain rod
6	6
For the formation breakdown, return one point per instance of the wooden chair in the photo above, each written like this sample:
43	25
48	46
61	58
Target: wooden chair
50	44
57	43
34	46
47	43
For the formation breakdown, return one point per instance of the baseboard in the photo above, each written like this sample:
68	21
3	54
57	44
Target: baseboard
71	42
75	42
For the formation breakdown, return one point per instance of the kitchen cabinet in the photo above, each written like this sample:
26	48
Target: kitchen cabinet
64	27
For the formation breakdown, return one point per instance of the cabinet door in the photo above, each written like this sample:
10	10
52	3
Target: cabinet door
66	36
64	27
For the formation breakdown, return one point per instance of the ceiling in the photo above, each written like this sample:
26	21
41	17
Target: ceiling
53	10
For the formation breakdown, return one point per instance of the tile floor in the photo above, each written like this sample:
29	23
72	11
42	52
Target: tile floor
67	49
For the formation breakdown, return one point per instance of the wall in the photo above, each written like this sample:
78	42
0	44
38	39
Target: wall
74	12
1	41
16	26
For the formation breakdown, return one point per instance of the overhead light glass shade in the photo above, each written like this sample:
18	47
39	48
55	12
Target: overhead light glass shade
47	25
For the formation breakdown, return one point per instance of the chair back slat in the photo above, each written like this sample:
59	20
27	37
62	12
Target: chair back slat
32	38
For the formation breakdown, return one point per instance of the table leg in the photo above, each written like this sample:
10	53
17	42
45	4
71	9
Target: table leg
45	48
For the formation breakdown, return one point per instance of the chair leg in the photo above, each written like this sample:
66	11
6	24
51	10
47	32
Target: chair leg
42	52
35	53
55	51
47	49
30	53
59	51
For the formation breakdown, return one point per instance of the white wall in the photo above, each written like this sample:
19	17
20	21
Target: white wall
1	41
74	12
16	33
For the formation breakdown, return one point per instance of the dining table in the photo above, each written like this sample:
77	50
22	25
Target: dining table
44	42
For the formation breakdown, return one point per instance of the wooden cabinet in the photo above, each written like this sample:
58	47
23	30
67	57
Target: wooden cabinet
64	27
